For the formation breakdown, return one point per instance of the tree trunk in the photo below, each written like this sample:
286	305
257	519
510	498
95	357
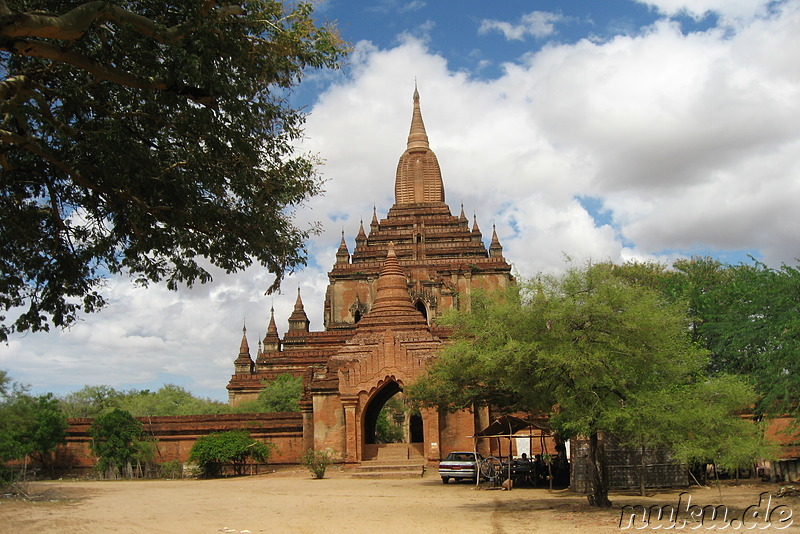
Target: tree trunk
642	473
599	495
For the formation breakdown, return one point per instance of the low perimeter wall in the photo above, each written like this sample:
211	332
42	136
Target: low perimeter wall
175	436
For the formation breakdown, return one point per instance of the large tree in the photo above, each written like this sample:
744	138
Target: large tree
746	315
594	350
118	441
140	136
753	329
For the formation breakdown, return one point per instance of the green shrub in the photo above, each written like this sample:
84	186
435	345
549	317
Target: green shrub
171	469
317	461
233	448
8	476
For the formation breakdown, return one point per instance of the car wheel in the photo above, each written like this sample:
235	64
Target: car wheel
445	479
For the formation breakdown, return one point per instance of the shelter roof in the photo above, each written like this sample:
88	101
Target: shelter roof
508	425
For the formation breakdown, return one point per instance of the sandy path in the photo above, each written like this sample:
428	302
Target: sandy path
290	501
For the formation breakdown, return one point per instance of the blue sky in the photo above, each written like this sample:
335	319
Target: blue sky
608	130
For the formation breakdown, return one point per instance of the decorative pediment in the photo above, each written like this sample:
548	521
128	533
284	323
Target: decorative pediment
403	355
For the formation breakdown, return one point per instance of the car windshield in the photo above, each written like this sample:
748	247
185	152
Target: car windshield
461	457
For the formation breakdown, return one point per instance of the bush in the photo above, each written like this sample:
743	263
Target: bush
234	448
171	469
317	462
8	476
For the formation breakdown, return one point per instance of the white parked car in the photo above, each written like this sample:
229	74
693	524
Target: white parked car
460	465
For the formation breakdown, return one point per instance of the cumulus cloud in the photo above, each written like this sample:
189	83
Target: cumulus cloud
538	24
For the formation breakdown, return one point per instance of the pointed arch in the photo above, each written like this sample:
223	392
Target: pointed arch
373	407
422	308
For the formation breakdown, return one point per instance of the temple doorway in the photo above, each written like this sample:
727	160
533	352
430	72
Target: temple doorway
389	418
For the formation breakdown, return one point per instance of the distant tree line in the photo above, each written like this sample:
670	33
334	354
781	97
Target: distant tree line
279	395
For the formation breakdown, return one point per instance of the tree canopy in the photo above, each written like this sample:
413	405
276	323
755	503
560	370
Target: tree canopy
596	351
148	138
749	318
29	425
745	315
282	394
92	401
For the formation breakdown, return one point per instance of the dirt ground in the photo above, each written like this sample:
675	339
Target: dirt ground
288	500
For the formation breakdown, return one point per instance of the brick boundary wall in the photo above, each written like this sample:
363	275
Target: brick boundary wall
175	436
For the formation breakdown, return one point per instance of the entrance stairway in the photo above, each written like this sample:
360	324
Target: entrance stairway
391	460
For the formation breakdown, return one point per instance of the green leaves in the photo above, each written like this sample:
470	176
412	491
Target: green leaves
160	135
281	394
28	425
234	448
117	440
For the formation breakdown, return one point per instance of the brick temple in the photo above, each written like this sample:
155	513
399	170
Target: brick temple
380	314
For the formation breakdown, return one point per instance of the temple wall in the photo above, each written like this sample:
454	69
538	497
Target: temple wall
329	424
343	296
455	430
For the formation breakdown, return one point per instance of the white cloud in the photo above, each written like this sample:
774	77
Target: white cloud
730	11
415	5
538	24
396	6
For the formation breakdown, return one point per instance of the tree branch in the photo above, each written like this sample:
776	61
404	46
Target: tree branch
56	53
13	86
75	23
71	25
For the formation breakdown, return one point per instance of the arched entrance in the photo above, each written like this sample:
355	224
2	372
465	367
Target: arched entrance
374	407
404	424
420	306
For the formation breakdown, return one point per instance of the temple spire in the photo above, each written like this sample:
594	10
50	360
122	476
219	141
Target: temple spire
298	320
419	178
392	307
391	290
361	238
243	363
373	225
343	255
244	348
495	248
271	340
417	137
